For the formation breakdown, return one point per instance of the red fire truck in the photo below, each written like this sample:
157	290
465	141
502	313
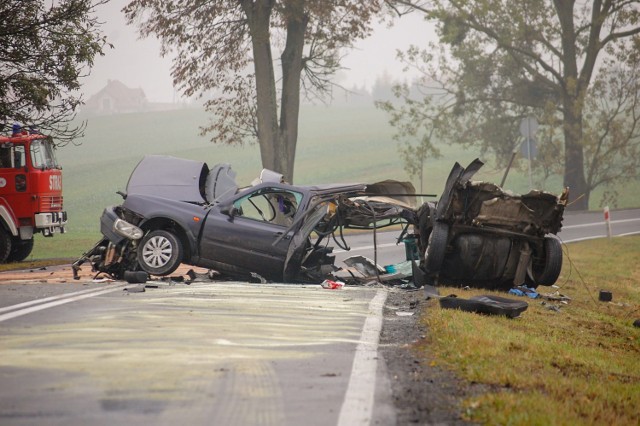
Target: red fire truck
30	192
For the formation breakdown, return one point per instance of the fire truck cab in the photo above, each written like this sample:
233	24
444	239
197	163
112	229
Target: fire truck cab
30	192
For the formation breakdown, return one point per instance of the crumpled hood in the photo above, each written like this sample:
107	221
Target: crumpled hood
169	177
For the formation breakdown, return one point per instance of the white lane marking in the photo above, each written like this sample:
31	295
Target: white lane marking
603	223
357	407
366	248
48	299
577	240
627	234
26	311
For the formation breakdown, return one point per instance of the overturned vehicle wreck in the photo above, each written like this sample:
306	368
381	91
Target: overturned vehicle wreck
180	211
480	235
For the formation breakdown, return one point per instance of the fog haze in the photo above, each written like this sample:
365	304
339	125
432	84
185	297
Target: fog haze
137	63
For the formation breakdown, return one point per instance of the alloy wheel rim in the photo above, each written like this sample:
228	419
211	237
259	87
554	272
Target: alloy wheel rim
157	252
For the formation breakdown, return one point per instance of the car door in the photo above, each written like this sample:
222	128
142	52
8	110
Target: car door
245	236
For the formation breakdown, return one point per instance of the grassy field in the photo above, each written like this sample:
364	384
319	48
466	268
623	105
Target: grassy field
578	365
336	144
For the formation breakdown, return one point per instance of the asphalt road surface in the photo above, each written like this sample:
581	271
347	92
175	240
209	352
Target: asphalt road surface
221	353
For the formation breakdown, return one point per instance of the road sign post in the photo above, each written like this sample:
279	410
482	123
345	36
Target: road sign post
528	129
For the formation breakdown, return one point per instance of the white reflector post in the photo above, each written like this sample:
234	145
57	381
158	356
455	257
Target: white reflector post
607	220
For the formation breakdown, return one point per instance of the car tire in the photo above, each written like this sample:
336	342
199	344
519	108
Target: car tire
5	245
160	253
434	255
545	269
20	250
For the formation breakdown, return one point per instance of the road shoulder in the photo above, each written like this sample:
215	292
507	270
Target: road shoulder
422	393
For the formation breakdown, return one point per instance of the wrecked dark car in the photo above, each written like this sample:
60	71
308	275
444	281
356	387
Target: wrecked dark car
180	211
479	235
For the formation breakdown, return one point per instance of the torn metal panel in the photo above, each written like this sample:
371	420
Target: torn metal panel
393	191
365	266
221	182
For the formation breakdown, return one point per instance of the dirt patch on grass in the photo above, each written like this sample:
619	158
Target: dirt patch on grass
423	393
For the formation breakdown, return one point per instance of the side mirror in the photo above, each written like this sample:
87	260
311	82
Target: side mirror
230	210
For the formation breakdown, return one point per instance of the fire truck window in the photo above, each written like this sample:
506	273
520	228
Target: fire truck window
19	157
5	157
51	155
42	155
38	154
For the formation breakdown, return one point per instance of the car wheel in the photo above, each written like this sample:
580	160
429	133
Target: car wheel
436	248
545	269
5	245
160	253
20	250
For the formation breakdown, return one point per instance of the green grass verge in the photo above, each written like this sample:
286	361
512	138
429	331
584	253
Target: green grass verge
63	246
576	366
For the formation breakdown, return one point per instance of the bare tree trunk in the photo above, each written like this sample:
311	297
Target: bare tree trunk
573	94
291	71
277	142
574	159
259	14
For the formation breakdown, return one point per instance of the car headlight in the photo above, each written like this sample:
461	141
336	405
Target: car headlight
127	230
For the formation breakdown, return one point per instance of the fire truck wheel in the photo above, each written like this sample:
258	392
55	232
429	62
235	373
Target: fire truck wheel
20	250
5	244
160	253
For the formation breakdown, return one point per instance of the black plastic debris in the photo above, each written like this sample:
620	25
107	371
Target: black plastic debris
136	277
605	296
192	276
636	323
419	276
173	279
486	304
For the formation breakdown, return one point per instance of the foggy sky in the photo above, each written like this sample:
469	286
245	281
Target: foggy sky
137	62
